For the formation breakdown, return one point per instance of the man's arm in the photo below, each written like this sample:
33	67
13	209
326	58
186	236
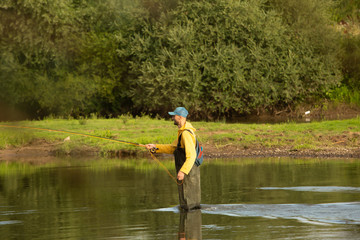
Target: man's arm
163	148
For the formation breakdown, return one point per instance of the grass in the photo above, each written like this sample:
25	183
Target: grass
143	130
313	135
345	95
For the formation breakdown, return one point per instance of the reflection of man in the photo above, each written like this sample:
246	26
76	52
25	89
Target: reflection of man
190	225
184	152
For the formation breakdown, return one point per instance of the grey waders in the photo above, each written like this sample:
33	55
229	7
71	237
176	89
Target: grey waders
189	190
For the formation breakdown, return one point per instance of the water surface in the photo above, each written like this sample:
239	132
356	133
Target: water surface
135	199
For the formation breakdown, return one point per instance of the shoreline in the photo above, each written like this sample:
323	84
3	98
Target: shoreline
325	139
45	151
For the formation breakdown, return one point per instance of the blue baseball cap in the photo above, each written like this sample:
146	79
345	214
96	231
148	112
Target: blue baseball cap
181	111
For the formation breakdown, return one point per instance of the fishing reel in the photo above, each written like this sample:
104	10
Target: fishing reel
153	150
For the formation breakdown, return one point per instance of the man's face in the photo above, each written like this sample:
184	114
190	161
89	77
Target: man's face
176	119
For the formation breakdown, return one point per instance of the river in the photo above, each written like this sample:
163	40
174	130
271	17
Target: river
259	198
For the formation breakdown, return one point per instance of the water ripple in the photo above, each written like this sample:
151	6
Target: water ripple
9	222
319	214
9	213
316	189
326	213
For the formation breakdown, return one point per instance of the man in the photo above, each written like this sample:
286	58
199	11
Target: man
183	148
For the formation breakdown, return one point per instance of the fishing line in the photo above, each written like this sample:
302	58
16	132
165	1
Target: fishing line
163	166
104	138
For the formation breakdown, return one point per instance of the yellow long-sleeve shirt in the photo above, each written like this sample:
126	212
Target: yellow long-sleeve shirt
188	141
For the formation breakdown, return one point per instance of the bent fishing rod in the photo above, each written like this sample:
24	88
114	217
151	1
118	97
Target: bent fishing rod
151	151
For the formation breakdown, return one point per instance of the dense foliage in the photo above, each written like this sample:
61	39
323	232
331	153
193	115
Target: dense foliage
217	57
38	45
232	56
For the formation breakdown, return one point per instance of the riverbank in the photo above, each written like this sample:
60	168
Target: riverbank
325	139
43	152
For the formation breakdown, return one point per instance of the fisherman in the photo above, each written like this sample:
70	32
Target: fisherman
183	148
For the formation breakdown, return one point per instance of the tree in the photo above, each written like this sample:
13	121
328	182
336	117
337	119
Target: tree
38	42
219	57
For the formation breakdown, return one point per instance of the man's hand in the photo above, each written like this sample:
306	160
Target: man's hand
180	176
150	146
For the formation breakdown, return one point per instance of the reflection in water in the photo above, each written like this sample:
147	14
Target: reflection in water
190	222
190	225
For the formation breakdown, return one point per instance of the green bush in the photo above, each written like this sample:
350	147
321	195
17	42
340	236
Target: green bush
38	43
218	57
345	10
350	57
344	95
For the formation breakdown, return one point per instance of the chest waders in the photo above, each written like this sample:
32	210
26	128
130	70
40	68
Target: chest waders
189	191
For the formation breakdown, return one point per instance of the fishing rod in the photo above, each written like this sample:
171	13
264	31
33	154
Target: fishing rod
151	151
75	133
